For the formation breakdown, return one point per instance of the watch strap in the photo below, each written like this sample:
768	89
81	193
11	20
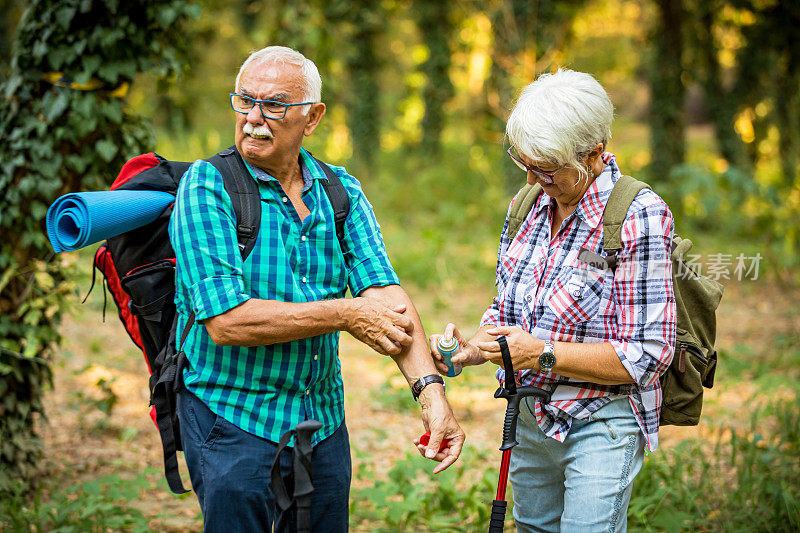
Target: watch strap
421	383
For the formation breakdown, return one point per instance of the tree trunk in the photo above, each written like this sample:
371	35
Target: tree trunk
667	125
364	96
436	27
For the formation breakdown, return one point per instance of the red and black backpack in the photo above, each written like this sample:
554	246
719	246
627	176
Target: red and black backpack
139	272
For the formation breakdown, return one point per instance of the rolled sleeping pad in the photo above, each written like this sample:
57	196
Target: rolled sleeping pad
79	219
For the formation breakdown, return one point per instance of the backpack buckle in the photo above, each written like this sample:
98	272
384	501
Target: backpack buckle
245	232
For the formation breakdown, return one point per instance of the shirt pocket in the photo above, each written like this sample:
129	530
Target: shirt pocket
577	295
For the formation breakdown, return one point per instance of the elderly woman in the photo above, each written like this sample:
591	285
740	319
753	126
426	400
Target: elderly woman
596	337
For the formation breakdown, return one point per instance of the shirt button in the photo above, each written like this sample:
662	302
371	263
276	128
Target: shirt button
308	392
529	298
304	279
285	199
303	238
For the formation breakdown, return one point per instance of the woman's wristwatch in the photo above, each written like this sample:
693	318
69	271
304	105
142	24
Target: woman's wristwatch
548	358
421	383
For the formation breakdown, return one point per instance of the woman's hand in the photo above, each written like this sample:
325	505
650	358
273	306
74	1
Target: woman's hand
467	354
524	348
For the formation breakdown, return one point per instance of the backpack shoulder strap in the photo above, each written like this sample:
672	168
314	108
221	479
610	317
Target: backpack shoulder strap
622	195
522	205
246	199
338	197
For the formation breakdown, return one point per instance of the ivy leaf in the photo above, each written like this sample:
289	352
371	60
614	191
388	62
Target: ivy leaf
193	10
77	163
166	16
57	107
58	56
106	149
12	84
113	111
65	15
109	71
127	68
91	64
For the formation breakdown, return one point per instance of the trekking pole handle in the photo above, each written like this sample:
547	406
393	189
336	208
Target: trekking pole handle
513	395
512	410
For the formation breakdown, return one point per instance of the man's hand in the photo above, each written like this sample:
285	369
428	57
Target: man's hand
523	347
385	330
438	418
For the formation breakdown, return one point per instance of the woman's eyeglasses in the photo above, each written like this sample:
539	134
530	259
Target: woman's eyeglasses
546	177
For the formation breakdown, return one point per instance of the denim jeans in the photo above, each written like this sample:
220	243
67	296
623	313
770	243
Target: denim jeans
230	473
583	484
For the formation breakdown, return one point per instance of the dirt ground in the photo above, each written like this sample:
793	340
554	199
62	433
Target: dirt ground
81	442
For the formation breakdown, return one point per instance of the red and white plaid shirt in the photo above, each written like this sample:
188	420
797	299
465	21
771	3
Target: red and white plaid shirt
546	290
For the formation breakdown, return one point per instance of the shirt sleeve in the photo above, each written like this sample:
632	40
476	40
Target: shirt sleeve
202	232
365	255
643	295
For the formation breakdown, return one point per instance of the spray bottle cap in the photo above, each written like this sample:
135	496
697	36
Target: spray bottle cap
447	344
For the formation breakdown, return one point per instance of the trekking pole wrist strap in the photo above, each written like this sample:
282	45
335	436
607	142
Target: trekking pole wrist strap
508	365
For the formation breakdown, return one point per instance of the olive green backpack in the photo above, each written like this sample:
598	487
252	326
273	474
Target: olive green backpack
696	297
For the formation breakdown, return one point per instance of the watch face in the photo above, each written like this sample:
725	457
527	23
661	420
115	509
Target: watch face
547	360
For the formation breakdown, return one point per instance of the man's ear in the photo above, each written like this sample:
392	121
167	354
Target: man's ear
315	115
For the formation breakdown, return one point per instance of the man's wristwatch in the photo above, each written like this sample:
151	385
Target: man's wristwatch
548	358
421	383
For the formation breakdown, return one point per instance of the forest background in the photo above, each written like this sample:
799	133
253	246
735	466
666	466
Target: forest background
707	96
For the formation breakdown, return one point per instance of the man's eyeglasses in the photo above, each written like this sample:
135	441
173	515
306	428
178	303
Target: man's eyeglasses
546	177
269	108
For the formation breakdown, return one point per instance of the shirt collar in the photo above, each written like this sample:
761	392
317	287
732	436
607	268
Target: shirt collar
590	209
308	167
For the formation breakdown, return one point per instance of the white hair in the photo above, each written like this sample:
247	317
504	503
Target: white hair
283	55
559	118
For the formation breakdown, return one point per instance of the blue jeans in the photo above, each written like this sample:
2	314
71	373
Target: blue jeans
230	473
583	484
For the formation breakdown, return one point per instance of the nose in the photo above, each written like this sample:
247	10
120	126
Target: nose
254	115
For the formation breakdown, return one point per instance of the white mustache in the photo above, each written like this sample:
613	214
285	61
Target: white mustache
260	131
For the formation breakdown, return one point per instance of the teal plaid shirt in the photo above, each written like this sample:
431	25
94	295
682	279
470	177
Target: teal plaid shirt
267	390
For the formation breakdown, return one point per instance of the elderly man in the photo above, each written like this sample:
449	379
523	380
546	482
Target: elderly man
265	353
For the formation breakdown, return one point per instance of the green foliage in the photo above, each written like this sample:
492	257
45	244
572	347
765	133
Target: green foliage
21	388
676	490
64	132
441	224
410	498
680	490
395	399
98	505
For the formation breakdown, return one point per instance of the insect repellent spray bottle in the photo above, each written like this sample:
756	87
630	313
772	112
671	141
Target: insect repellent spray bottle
447	347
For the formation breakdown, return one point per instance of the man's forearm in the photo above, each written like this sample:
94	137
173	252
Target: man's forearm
263	322
415	360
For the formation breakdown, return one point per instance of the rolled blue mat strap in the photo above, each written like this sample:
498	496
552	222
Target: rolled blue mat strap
79	219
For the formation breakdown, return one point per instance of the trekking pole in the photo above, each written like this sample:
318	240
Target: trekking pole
300	478
513	395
